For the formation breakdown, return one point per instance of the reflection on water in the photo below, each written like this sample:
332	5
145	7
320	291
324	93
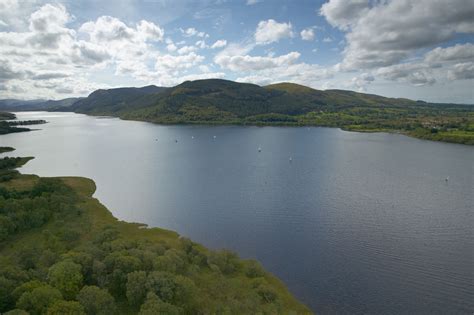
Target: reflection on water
354	223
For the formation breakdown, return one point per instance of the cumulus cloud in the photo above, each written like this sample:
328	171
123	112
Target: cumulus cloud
270	31
110	29
457	52
170	62
255	63
307	34
383	33
7	71
414	73
219	44
189	32
341	13
462	71
360	82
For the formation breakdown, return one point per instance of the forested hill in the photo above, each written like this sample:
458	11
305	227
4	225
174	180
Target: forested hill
34	105
114	101
215	101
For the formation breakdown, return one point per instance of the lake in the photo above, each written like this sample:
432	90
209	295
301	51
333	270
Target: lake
351	222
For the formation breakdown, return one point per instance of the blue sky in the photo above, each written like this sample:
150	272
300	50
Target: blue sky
402	48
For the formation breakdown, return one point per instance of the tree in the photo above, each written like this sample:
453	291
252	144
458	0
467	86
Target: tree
66	308
96	301
136	287
67	277
154	306
37	301
225	260
178	290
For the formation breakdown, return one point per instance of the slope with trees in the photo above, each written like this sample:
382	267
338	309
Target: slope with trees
215	101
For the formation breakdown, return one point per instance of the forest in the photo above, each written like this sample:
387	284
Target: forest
62	252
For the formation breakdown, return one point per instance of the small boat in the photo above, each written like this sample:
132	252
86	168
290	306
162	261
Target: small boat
215	137
291	159
192	137
176	140
447	178
259	149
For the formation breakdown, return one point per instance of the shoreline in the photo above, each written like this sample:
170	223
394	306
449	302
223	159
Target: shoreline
95	219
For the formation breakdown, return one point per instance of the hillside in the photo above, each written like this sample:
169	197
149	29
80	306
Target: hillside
62	252
32	105
215	101
116	101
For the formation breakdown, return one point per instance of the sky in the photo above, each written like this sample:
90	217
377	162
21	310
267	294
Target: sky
418	49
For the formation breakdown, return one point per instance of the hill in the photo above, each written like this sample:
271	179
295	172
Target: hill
62	252
116	101
32	105
215	101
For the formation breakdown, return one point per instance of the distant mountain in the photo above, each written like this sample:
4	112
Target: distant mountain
230	98
216	101
28	105
116	101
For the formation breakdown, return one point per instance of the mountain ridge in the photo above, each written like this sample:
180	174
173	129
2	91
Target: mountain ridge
218	101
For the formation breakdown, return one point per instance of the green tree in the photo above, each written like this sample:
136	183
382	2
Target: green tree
37	301
67	277
96	301
136	287
154	306
66	308
178	290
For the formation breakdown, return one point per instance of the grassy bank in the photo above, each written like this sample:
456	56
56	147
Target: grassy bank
62	252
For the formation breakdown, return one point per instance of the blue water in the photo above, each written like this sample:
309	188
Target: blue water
353	223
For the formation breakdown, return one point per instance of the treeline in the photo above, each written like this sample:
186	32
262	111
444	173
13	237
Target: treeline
7	116
27	122
8	165
6	128
61	252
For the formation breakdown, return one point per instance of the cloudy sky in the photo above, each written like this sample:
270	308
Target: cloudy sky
420	49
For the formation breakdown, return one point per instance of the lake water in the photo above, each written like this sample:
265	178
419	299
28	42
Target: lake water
355	223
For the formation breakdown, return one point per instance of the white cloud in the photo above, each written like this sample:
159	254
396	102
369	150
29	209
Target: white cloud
413	73
150	31
327	39
201	44
458	52
462	71
189	32
219	44
171	47
342	13
186	50
360	82
255	63
252	2
307	34
170	62
110	29
270	31
384	33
